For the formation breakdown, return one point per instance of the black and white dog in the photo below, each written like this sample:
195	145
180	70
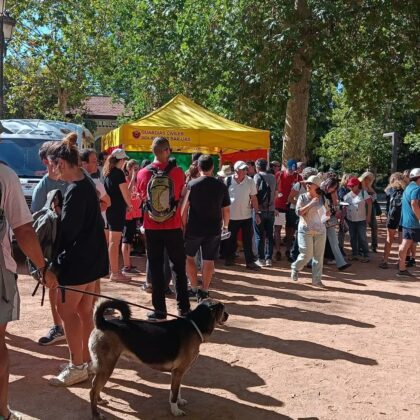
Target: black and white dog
169	346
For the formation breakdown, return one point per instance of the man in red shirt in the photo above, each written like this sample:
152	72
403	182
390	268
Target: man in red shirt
164	235
285	181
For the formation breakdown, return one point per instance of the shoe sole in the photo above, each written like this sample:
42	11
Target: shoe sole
62	384
53	341
120	280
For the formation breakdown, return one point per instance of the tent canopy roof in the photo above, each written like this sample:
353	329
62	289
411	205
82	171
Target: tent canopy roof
190	128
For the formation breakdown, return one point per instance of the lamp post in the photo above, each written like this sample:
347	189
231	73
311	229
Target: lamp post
394	142
7	24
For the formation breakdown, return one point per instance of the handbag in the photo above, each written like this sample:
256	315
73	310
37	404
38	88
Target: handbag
331	222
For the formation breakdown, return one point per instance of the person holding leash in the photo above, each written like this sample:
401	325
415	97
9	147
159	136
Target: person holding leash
82	240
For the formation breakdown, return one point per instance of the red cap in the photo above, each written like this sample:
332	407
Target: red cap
352	182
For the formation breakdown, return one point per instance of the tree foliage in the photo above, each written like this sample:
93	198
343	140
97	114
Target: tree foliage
237	58
354	143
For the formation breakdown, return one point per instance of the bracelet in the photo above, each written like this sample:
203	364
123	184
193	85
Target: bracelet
40	273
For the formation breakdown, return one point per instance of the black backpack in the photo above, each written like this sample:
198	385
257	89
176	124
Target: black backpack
263	193
47	227
395	205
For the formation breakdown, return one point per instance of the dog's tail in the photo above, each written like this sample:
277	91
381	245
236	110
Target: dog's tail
98	318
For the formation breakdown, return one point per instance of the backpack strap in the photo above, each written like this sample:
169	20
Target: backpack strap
229	181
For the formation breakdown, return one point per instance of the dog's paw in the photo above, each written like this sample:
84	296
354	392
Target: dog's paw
181	402
176	411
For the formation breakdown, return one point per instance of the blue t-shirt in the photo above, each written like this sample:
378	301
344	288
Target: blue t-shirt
408	218
39	195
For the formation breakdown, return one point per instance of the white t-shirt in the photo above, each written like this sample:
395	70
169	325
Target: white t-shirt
240	206
356	211
14	211
101	190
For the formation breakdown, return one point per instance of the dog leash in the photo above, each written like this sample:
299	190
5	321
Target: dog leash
117	300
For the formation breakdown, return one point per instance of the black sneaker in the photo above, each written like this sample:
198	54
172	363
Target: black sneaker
56	333
410	263
169	292
404	273
344	267
152	316
253	267
201	294
184	313
191	294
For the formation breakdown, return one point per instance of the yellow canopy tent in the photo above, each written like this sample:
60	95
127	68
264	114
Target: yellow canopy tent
190	128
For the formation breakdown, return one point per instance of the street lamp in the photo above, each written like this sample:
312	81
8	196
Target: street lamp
7	24
394	142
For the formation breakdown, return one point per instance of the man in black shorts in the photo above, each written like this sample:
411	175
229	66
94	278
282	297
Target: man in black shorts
206	207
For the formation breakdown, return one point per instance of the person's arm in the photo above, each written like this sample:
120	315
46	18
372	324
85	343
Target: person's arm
28	243
126	195
184	209
105	202
369	209
254	205
416	208
302	210
225	217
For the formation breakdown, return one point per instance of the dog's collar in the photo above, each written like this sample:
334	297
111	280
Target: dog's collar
197	329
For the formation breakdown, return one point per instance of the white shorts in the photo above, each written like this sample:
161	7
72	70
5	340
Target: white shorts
280	219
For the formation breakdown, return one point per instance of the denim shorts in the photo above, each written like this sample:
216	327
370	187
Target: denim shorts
411	234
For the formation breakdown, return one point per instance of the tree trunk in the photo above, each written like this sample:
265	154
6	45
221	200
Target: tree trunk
294	139
62	101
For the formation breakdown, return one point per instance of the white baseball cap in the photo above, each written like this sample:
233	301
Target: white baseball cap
119	154
415	173
240	164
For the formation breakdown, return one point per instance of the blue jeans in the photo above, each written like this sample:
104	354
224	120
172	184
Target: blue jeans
264	235
335	248
358	238
311	247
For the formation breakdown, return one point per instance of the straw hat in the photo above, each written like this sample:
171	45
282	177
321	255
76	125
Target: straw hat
225	171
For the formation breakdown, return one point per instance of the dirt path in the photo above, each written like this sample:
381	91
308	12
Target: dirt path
289	350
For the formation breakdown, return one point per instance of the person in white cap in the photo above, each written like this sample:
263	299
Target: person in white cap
410	221
311	209
117	188
243	198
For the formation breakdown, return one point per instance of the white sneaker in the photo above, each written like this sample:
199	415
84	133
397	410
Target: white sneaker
268	263
261	263
294	275
89	367
70	375
14	415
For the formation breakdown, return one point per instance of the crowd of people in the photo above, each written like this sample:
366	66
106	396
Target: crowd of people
187	221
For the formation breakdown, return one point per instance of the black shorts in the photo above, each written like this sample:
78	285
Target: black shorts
115	219
209	246
393	224
291	217
129	231
411	234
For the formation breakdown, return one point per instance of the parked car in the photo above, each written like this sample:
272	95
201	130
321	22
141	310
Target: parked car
20	141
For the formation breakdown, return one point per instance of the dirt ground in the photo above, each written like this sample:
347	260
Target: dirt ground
289	350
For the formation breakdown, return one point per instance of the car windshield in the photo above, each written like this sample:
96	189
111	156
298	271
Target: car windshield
22	156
